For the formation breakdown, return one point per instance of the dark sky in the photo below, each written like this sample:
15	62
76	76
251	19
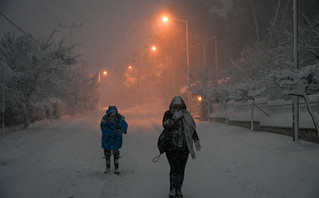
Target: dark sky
111	28
111	31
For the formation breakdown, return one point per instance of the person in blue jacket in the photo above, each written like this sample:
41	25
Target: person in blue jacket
113	125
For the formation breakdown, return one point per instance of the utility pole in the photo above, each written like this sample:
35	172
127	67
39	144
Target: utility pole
70	27
204	103
3	99
189	102
295	98
206	70
215	55
204	53
216	60
255	20
99	79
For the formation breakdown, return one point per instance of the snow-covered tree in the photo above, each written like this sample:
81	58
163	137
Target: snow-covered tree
201	86
82	94
301	82
248	91
266	68
222	94
38	73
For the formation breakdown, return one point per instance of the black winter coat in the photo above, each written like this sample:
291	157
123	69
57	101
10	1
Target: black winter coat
175	132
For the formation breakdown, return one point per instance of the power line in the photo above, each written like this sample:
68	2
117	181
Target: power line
12	23
16	26
201	42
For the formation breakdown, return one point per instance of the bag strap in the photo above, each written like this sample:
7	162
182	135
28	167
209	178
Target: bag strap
155	159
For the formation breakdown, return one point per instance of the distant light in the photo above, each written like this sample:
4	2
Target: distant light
130	67
154	48
105	73
199	98
165	19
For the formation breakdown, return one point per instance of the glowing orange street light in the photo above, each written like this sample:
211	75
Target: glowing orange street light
130	67
199	98
104	73
165	19
154	48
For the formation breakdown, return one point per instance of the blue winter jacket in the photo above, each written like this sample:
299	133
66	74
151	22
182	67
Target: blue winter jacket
110	139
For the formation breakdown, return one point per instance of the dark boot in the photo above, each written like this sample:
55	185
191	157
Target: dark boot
108	165
172	193
116	154
173	185
107	155
116	166
179	193
107	169
179	186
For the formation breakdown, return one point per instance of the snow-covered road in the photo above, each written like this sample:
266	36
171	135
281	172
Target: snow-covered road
64	159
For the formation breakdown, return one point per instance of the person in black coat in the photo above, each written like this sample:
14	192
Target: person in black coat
180	135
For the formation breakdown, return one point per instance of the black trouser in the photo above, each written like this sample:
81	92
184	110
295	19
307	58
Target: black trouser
177	160
116	154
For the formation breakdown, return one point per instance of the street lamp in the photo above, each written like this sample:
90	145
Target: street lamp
153	48
105	73
165	20
137	83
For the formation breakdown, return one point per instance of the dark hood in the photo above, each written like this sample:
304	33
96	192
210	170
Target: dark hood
177	100
111	109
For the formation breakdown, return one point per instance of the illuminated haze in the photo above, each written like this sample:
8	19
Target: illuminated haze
111	31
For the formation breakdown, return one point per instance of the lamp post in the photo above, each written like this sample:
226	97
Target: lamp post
165	20
138	71
105	73
187	49
137	86
216	60
154	51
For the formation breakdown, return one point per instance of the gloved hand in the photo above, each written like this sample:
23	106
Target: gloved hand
177	115
118	131
197	145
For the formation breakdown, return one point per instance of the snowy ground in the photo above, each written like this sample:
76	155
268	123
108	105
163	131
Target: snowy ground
64	159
